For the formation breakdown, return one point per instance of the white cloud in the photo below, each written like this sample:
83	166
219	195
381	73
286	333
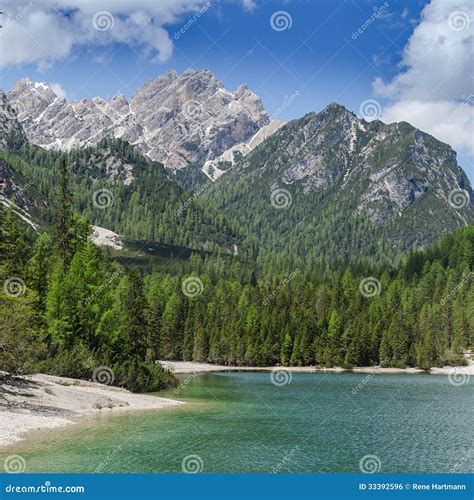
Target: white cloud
44	31
433	87
451	122
58	89
249	5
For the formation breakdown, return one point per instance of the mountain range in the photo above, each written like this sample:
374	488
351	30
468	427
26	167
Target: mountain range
182	121
327	186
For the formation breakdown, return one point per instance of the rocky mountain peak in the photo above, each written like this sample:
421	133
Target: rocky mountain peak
180	120
385	172
10	128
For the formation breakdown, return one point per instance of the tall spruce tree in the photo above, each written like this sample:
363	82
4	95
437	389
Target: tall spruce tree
64	213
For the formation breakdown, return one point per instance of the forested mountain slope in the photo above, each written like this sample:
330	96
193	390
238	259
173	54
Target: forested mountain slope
331	187
114	186
68	313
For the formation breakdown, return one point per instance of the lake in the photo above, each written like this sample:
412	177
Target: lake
242	422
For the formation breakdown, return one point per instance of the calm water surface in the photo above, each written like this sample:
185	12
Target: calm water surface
241	422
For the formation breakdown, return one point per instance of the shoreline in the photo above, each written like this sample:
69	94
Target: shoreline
36	402
190	367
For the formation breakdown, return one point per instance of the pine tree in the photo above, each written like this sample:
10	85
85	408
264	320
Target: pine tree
64	213
133	330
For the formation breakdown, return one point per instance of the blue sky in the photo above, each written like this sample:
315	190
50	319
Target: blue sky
322	51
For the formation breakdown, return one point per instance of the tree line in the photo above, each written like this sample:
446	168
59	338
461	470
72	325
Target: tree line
68	307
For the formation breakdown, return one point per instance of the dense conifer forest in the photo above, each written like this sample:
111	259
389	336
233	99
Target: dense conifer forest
69	307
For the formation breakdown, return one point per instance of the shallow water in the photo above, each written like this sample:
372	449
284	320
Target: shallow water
242	422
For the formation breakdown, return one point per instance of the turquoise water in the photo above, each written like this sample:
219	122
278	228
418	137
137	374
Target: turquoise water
241	422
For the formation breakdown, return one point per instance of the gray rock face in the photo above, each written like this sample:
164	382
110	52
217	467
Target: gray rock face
179	120
334	163
9	125
386	168
216	167
15	195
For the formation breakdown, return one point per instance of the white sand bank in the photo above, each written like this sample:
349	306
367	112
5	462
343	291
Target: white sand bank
45	401
182	367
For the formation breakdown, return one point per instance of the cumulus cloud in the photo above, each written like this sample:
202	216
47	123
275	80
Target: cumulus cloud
433	89
44	31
